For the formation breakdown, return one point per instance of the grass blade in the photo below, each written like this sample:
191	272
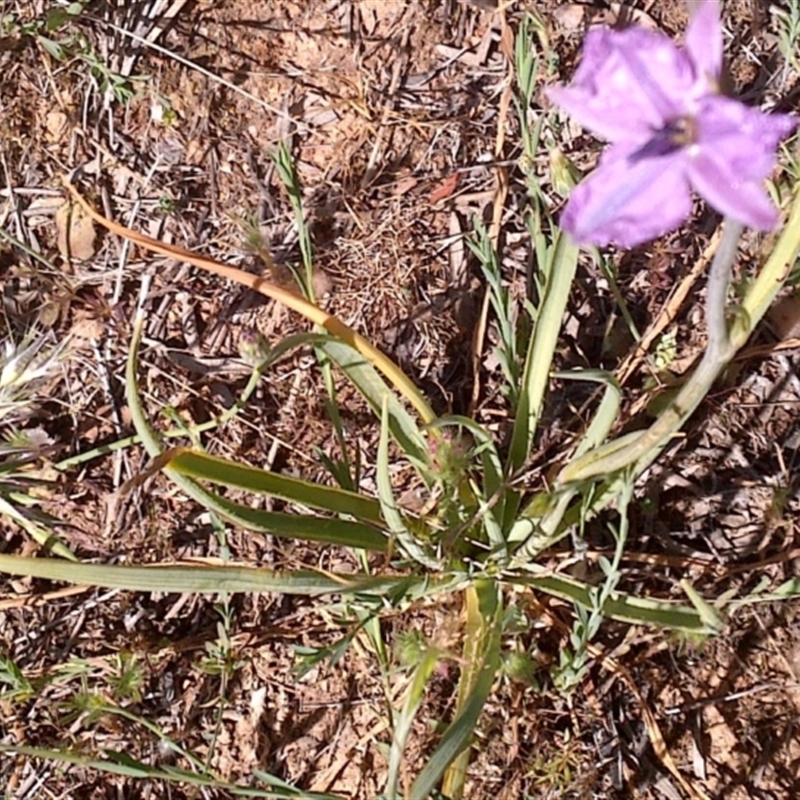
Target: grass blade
374	390
309	528
405	719
482	649
199	465
606	414
539	359
117	763
404	537
212	578
620	606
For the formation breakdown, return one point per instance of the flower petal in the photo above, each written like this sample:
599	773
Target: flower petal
733	155
704	40
745	137
626	202
629	83
726	191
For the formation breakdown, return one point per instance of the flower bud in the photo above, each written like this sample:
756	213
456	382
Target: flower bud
253	347
563	173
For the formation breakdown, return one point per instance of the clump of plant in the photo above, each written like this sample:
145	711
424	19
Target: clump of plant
57	32
25	367
484	533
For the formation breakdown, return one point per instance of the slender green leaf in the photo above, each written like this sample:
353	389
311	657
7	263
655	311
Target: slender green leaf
483	636
375	391
400	532
405	719
540	526
316	529
117	763
38	532
620	606
342	533
287	171
503	305
195	464
707	612
772	276
539	359
607	411
215	578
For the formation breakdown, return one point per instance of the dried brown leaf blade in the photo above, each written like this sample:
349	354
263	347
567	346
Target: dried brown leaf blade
76	233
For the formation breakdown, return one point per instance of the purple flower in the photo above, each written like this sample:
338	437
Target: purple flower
671	131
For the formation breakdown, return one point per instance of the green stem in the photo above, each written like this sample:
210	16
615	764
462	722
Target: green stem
623	453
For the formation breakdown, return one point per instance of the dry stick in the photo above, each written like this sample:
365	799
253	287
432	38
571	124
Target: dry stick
35	600
314	313
667	315
759	350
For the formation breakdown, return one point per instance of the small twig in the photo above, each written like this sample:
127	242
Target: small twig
727	698
668	313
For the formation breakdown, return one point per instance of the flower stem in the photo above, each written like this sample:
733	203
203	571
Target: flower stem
719	278
643	449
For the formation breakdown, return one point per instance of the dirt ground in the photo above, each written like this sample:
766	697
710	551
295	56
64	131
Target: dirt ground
397	117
